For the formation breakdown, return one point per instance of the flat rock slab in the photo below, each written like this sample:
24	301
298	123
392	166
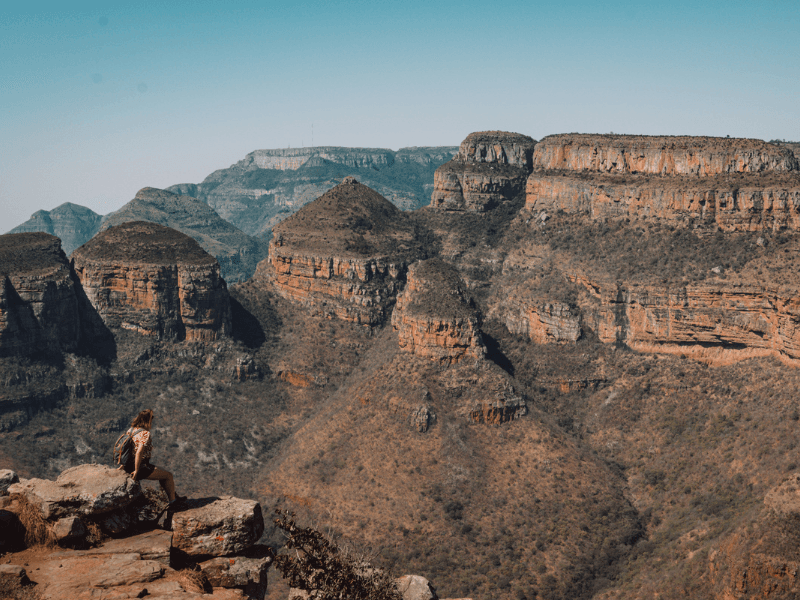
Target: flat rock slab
69	577
152	545
82	490
217	526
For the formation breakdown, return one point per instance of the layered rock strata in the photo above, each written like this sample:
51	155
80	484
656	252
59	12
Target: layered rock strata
734	184
490	168
711	322
732	203
344	255
435	317
156	281
661	155
540	320
39	307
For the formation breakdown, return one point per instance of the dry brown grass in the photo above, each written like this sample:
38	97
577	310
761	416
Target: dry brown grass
38	532
194	581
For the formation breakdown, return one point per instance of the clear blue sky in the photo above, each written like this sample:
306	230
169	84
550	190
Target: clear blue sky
98	100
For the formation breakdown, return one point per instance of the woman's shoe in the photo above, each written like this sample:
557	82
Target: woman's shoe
177	504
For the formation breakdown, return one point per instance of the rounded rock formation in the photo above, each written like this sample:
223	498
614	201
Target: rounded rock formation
435	317
345	254
154	280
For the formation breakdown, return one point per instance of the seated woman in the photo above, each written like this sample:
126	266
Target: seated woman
140	468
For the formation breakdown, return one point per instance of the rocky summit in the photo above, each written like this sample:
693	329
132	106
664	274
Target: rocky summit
345	254
490	167
572	375
73	224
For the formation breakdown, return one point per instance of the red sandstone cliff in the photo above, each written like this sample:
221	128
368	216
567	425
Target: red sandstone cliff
343	255
38	300
490	167
154	280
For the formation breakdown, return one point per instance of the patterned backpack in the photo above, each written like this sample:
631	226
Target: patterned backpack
124	449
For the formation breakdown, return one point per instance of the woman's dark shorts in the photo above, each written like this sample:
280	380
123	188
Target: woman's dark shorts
145	470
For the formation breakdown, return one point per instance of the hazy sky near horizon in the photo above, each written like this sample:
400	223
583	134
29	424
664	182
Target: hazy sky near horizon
98	100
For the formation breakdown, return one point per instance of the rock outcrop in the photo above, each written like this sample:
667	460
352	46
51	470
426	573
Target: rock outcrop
154	280
85	490
217	526
237	253
435	317
762	560
39	307
734	184
345	255
490	168
223	531
73	224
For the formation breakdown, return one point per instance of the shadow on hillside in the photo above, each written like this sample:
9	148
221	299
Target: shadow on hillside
95	338
496	355
246	327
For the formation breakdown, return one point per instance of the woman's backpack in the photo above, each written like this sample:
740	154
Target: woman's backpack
125	450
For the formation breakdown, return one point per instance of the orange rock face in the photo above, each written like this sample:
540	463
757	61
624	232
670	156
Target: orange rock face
38	300
744	203
434	317
717	324
490	167
344	255
543	322
155	281
661	155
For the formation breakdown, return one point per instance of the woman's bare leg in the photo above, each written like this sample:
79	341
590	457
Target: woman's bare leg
166	481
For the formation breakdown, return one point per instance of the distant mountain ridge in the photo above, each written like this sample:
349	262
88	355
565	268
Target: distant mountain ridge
74	224
266	186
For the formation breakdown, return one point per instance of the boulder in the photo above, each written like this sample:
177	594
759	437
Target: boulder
83	490
415	587
217	526
247	574
7	478
12	576
69	530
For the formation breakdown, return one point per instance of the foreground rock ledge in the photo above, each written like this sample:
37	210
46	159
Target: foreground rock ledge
217	526
83	490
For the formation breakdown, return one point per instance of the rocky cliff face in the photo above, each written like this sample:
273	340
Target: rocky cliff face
343	255
74	224
38	299
733	184
732	203
269	185
435	317
156	281
661	155
490	167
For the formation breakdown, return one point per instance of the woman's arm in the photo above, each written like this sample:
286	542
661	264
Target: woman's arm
137	461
